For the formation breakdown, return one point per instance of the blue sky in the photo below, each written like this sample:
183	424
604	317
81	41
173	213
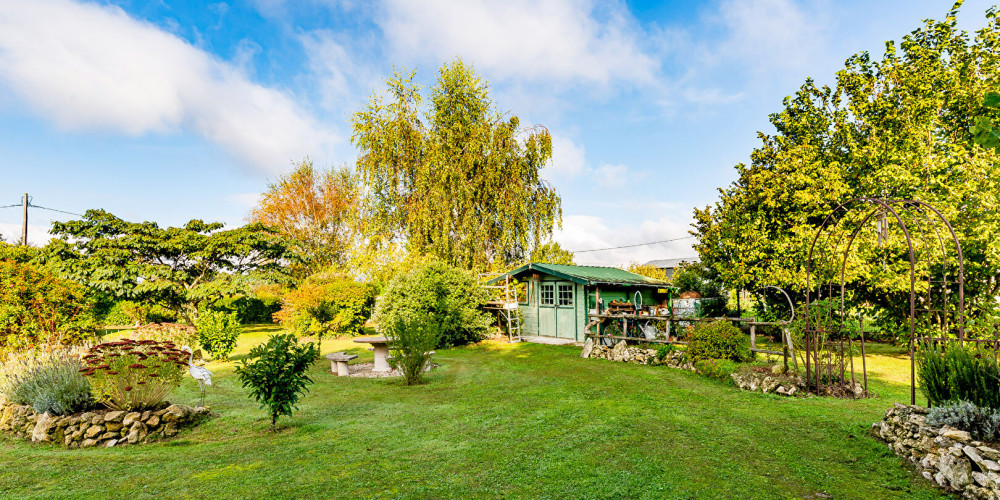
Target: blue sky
168	111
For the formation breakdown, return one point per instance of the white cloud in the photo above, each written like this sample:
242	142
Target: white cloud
774	34
38	235
611	175
559	40
586	232
86	66
568	158
245	201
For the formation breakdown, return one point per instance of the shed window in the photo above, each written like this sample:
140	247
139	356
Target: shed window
565	295
548	295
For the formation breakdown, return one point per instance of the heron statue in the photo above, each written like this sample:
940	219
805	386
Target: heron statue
201	374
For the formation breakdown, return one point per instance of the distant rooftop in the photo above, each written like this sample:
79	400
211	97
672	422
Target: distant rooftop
671	263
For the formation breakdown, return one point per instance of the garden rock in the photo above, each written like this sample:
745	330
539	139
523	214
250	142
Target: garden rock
947	456
588	346
43	425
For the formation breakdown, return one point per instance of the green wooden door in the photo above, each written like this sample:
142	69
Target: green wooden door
566	310
547	324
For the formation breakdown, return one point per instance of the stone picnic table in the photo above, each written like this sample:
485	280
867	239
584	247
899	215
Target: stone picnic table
381	348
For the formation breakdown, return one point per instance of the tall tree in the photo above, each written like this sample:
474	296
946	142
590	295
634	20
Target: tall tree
900	127
551	253
180	268
462	182
317	210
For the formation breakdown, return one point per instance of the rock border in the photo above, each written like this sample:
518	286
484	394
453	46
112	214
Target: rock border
98	428
945	456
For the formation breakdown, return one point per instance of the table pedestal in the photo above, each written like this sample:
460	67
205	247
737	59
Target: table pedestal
381	353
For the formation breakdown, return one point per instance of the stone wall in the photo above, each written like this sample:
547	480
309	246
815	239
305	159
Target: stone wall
623	353
769	383
98	428
945	456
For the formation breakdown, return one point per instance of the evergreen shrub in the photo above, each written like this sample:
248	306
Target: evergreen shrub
718	340
958	374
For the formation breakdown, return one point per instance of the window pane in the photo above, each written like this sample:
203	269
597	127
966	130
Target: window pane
548	295
565	295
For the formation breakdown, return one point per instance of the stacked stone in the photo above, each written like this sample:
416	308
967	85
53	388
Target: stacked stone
101	428
622	353
769	383
944	455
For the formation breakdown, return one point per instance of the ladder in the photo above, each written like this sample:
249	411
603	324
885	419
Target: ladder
504	302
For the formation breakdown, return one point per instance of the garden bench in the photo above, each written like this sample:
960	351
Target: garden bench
338	362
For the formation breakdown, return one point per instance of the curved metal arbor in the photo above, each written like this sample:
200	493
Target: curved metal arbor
932	250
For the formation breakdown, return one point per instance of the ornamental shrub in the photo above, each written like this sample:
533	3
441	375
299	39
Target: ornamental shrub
327	303
982	423
958	374
275	374
218	332
446	296
716	368
37	307
718	340
174	333
413	336
134	374
49	380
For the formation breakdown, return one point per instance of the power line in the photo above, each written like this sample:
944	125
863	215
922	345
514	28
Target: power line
54	210
632	246
15	205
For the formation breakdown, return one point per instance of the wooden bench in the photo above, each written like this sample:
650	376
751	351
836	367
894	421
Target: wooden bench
338	362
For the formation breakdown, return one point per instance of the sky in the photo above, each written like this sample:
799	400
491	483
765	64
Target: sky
168	111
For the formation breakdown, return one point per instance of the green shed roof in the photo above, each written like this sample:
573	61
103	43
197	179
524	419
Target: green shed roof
587	275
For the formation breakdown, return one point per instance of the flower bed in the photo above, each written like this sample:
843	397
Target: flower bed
944	455
98	428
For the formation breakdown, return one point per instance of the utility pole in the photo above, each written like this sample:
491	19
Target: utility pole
24	225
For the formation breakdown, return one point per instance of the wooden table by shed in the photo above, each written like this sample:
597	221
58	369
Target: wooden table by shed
381	348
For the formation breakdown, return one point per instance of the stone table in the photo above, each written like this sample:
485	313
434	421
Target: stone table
381	348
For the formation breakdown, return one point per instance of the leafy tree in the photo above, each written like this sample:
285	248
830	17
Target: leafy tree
900	128
446	296
551	253
648	271
463	182
326	303
317	210
275	374
985	132
38	307
180	268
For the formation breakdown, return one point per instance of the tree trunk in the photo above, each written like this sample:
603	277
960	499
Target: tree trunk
274	418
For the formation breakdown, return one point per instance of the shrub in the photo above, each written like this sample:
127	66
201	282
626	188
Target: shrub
48	380
133	374
174	333
37	307
413	336
958	374
327	303
982	423
716	368
126	312
275	374
718	340
250	310
663	351
218	332
447	296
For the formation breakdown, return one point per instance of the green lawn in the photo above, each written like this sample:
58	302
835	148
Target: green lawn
494	420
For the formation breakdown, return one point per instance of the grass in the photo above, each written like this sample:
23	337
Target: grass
496	420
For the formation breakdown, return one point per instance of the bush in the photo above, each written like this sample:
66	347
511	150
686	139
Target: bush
327	303
663	351
958	374
48	380
218	332
718	340
716	368
413	336
275	374
174	333
37	307
982	423
447	296
250	310
133	374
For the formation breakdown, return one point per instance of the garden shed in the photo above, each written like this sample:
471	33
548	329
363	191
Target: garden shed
555	299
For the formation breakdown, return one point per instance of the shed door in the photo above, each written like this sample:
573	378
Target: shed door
566	310
547	324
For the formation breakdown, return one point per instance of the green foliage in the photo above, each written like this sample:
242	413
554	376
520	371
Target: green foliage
984	132
958	374
720	369
446	296
327	303
133	374
982	423
696	277
718	340
551	253
462	183
275	374
218	332
173	333
180	268
36	307
251	310
898	127
413	336
663	351
49	380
